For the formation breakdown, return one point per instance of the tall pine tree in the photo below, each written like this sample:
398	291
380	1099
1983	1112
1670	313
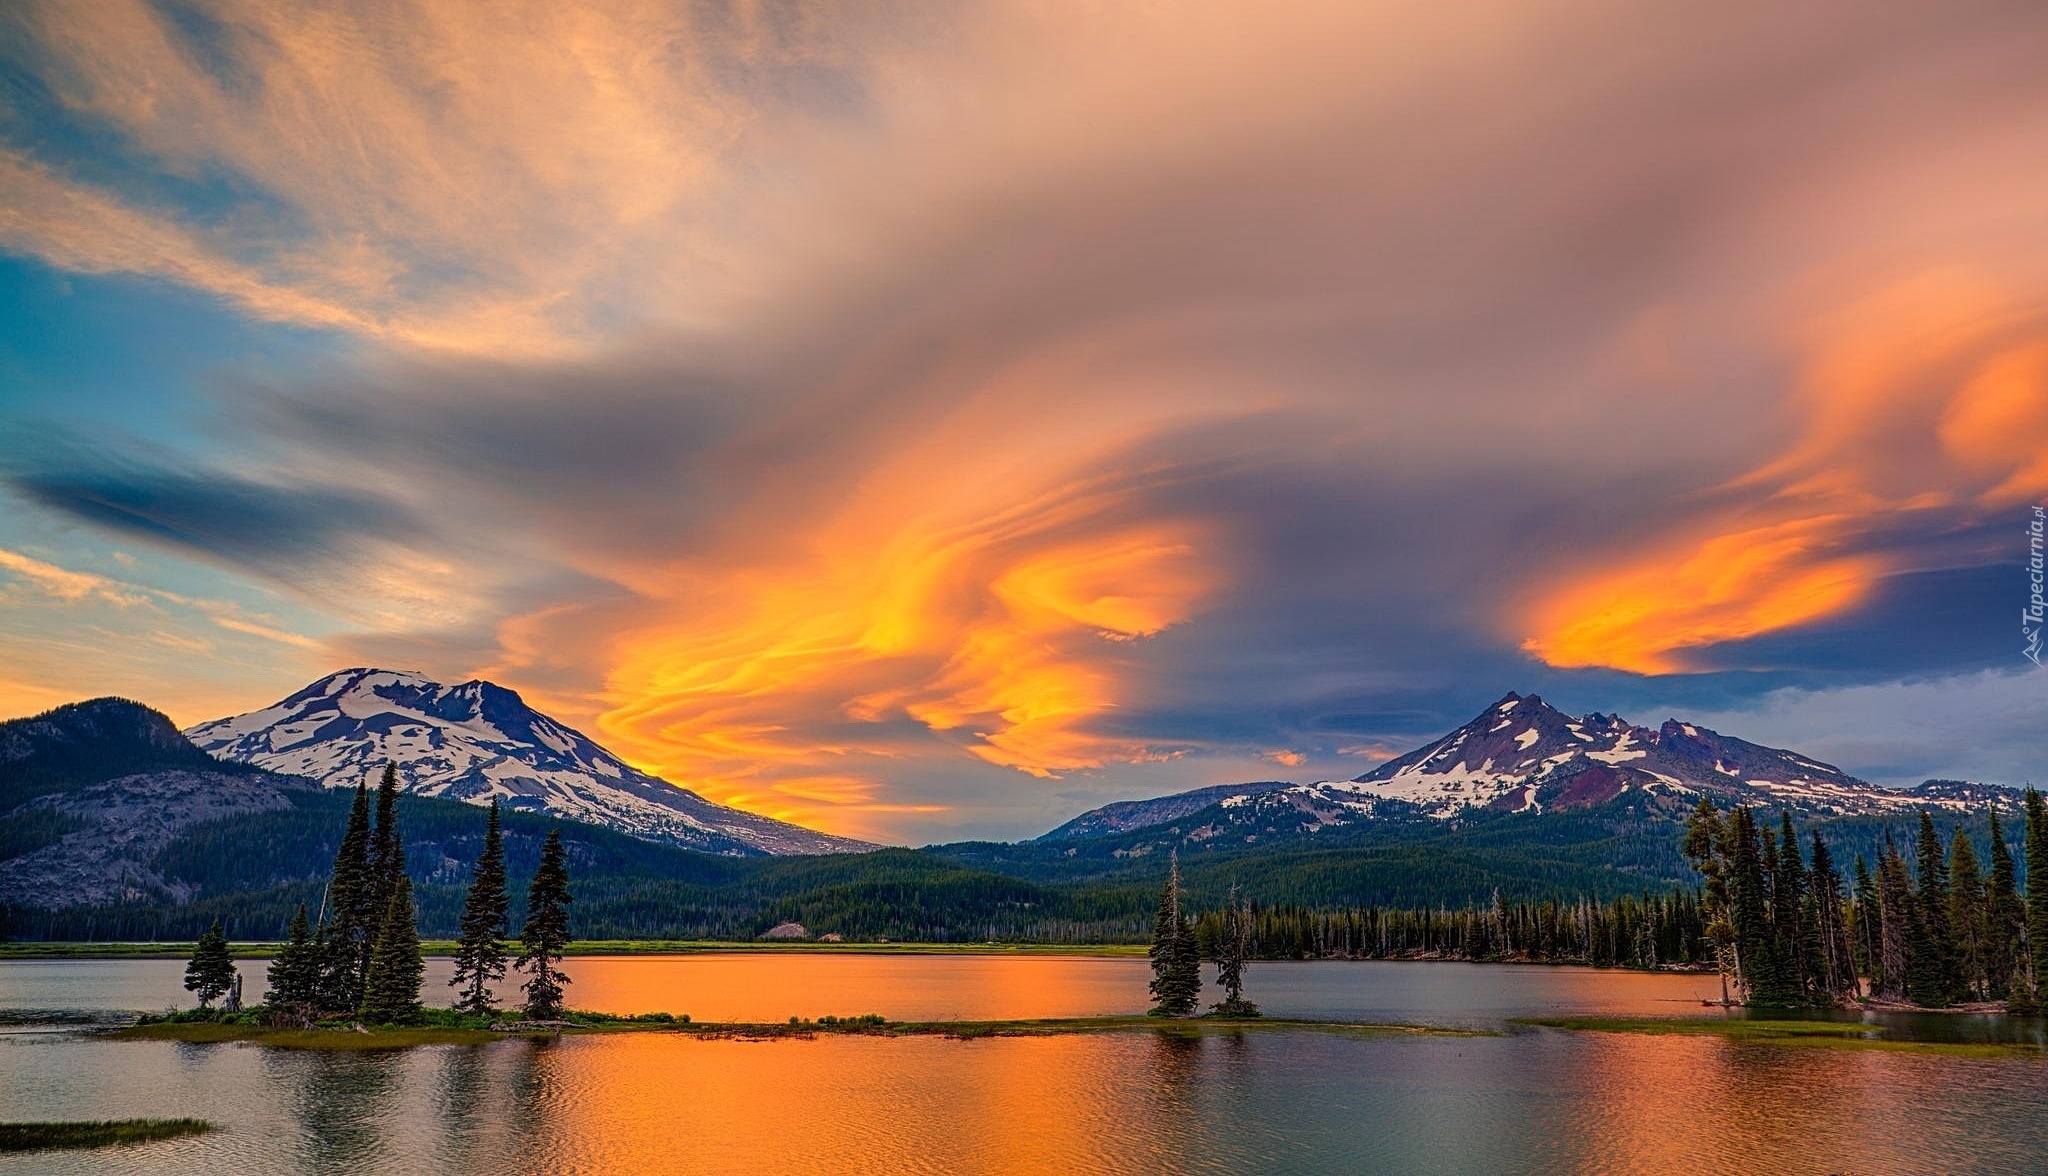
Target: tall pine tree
480	953
1930	977
1895	921
2037	896
1868	921
1176	963
2005	917
546	931
1968	918
1765	971
387	850
1827	926
391	995
1788	911
1706	840
350	923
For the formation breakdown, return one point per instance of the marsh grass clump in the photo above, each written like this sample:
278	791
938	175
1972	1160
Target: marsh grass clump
16	1137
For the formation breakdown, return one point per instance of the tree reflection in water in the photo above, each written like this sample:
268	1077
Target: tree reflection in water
344	1104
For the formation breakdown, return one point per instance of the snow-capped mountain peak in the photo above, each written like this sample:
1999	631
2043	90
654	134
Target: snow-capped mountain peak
1522	754
476	740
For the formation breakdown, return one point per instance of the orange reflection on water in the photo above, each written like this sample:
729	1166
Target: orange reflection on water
643	1104
1701	1105
765	987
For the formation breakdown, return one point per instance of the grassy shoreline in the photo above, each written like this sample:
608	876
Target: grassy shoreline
399	1037
1843	1035
23	1137
604	947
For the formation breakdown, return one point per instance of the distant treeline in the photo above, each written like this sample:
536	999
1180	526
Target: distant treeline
1647	931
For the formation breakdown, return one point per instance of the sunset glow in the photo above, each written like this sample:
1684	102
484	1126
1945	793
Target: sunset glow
829	415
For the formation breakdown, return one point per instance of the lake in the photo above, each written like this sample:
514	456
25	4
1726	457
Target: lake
1263	1101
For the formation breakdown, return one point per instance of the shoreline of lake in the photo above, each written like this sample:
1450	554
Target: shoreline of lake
349	1038
1789	1033
444	948
601	948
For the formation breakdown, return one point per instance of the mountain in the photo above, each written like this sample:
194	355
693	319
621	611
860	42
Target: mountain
113	825
93	792
1125	815
476	740
86	742
1521	755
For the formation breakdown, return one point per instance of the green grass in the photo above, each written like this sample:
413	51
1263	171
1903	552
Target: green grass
1807	1034
595	947
871	1025
16	1137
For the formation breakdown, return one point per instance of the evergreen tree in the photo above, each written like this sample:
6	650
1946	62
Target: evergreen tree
1705	847
546	931
211	971
1827	926
1766	976
391	996
295	973
349	924
1895	921
2037	892
1788	910
1233	948
1176	962
387	852
1968	917
480	952
1865	919
1930	979
2005	917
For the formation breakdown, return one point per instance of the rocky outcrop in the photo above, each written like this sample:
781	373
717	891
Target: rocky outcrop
121	825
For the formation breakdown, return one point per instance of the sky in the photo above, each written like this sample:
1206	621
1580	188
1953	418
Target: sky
926	421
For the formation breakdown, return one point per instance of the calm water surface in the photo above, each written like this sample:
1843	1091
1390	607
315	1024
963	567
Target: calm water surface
1531	1101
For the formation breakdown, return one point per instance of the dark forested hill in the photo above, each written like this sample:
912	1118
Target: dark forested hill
251	870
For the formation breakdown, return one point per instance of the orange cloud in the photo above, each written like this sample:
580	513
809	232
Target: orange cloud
1006	634
1928	398
1998	423
1646	615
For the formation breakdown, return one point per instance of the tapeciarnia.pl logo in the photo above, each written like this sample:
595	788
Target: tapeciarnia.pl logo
2031	617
